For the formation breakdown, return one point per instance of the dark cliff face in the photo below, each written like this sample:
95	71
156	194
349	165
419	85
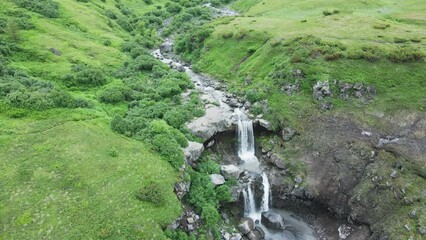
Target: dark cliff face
371	173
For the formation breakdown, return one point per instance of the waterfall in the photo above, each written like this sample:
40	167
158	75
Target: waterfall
266	198
246	152
246	143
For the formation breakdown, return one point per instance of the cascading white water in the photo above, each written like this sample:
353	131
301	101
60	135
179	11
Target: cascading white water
246	143
246	152
266	198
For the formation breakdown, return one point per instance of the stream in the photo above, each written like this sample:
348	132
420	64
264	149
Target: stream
220	113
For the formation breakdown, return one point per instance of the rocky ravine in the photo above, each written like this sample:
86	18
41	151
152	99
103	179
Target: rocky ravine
368	174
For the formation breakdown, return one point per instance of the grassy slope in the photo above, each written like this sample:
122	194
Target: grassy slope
58	179
268	22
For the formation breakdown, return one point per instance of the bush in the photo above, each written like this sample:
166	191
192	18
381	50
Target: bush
327	13
86	75
405	55
47	8
111	14
152	192
111	95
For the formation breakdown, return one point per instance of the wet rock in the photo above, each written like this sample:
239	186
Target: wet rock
236	236
234	103
55	51
166	47
217	179
260	231
226	236
321	90
288	133
344	231
246	226
253	235
273	221
230	171
193	151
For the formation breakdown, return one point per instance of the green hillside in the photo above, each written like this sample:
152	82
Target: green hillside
381	43
65	173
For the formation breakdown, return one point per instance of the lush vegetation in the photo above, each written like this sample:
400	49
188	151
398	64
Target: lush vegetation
275	45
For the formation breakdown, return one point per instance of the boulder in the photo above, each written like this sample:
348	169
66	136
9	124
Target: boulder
55	51
181	188
321	90
265	123
288	133
193	151
326	105
273	220
236	236
216	119
166	47
254	235
230	171
276	160
217	179
246	226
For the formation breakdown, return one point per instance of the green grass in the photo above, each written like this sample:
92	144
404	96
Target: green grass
269	27
64	173
59	180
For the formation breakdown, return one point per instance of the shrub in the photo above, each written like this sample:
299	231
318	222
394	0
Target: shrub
111	14
86	75
381	25
120	125
406	54
47	8
400	40
327	13
148	1
168	148
151	192
210	215
111	95
107	43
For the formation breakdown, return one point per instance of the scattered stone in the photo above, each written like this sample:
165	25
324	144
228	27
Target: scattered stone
291	88
344	231
246	226
193	151
321	90
422	231
326	106
55	51
166	47
288	133
190	220
237	236
413	214
217	179
190	227
407	227
345	87
366	133
230	171
358	86
298	179
407	201
394	174
181	188
276	160
273	220
226	236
